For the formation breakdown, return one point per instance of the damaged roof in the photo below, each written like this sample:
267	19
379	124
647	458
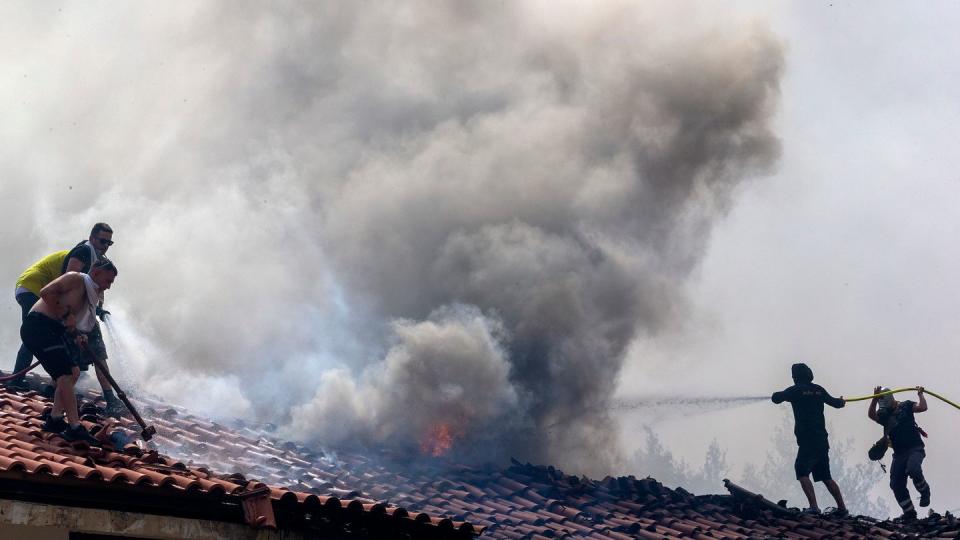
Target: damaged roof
130	475
422	497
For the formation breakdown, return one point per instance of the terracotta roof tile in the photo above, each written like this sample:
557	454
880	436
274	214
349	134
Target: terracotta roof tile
522	501
32	455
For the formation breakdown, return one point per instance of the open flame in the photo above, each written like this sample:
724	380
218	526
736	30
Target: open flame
439	439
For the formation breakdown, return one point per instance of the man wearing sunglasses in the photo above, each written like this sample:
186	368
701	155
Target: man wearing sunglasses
82	258
79	259
85	254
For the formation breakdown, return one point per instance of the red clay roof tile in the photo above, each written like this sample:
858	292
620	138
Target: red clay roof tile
25	449
522	501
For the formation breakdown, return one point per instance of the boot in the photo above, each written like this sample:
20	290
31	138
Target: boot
909	516
114	408
54	425
79	434
18	384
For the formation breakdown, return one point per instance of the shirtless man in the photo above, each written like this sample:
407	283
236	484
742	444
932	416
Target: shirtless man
82	258
66	309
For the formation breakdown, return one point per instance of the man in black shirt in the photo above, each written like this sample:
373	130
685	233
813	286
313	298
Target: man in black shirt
83	255
81	259
807	400
902	431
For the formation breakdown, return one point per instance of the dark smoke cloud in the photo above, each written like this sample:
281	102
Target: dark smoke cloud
361	220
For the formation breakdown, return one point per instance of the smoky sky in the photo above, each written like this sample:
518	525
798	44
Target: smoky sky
361	220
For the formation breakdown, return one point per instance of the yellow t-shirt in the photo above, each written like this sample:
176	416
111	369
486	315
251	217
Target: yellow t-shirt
42	272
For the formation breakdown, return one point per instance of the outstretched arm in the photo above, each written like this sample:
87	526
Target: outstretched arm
872	412
836	403
780	397
921	401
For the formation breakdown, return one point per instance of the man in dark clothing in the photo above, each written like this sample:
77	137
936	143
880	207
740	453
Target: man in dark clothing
81	259
807	400
901	429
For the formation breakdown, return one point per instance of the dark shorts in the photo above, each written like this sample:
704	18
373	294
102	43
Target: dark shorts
813	459
44	337
95	343
95	349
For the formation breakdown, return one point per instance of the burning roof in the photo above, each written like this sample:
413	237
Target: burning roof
423	496
127	474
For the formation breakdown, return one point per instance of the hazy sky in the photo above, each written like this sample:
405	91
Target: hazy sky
356	198
844	258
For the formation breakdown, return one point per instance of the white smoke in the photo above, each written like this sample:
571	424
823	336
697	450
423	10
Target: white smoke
368	218
446	370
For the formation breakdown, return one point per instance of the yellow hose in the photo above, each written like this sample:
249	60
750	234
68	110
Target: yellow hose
911	389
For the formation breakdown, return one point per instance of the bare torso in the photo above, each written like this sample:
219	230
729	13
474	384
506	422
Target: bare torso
63	299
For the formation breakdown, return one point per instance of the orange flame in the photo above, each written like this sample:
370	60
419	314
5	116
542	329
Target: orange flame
439	439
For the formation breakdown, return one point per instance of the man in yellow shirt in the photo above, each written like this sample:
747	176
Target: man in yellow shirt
27	293
81	258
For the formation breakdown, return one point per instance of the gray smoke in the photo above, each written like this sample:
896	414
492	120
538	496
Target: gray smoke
373	219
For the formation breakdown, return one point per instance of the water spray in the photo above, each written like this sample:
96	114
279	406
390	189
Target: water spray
119	351
715	402
680	406
147	431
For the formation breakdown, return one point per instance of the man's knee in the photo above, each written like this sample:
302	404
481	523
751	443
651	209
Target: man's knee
897	483
68	379
915	465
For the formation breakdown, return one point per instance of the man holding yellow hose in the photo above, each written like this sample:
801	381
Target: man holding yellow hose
901	429
807	400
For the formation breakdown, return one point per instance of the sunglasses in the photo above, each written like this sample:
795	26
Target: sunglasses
105	242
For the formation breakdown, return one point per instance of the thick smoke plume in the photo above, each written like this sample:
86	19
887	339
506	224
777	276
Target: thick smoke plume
371	219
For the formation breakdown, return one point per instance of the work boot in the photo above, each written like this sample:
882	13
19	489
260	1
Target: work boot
925	499
79	434
54	425
114	408
17	384
909	516
837	512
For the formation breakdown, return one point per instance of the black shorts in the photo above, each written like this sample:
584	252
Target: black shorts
84	356
813	459
44	337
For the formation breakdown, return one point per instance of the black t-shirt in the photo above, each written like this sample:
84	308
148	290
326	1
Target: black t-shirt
901	427
81	251
807	400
